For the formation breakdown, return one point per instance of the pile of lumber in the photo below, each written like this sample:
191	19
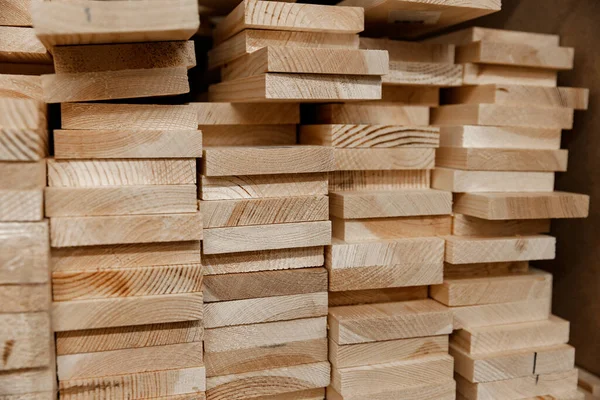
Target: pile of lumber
386	338
500	148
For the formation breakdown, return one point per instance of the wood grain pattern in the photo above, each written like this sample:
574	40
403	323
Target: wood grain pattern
378	180
25	249
458	271
465	250
246	114
25	339
472	136
20	45
464	225
424	74
21	205
411	51
484	74
460	181
501	159
477	34
371	296
14	13
24	298
501	313
23	176
377	113
248	135
28	381
356	230
21	87
438	391
22	113
23	144
383	159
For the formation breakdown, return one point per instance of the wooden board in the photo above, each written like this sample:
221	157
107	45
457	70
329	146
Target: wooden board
465	250
296	87
108	313
369	136
25	340
501	314
383	159
309	394
371	296
105	116
27	381
379	180
460	181
23	175
21	87
121	172
23	144
472	136
303	60
266	237
234	114
370	113
383	204
519	95
124	229
464	225
438	391
20	45
115	57
109	85
588	381
424	74
25	298
122	22
289	17
21	205
22	113
411	51
485	74
249	135
478	34
388	321
15	13
504	206
356	230
25	249
457	271
501	159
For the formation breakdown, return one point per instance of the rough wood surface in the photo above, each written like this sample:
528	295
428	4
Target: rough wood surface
20	45
379	180
247	114
424	74
25	340
27	381
14	13
464	225
22	113
21	87
24	298
356	230
383	159
23	176
484	74
248	135
21	205
411	51
457	271
465	250
460	181
371	296
501	313
25	253
472	136
370	113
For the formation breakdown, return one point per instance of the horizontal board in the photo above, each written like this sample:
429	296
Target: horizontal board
411	95
370	113
249	135
372	296
501	159
424	73
473	136
465	250
486	74
458	271
247	114
21	382
501	313
357	230
460	181
24	258
22	113
477	34
411	51
383	159
26	340
21	87
25	298
20	45
21	205
435	391
464	225
379	180
23	175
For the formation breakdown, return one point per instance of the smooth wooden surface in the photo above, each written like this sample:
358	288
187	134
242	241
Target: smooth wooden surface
371	113
460	181
249	135
457	271
487	34
356	230
501	313
21	87
21	205
371	296
20	45
473	136
26	340
25	253
28	381
247	114
485	74
501	159
24	298
23	176
465	225
466	250
383	159
424	74
379	180
411	51
438	391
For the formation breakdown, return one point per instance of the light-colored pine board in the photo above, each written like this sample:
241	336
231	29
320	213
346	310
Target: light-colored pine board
247	114
20	45
21	205
27	381
589	381
274	210
25	253
23	175
369	136
90	144
249	135
501	159
104	116
125	229
264	260
268	382
21	87
460	181
364	354
121	172
188	396
383	159
297	87
466	250
115	57
31	396
464	225
268	160
383	204
356	230
437	391
458	271
503	206
22	113
301	60
371	113
520	95
289	17
477	34
388	321
411	95
108	313
371	296
424	74
485	74
109	85
128	282
494	339
24	298
411	51
309	394
379	180
121	22
25	340
472	136
23	144
501	313
14	13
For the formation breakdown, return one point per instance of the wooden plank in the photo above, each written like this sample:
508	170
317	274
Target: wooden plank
522	55
501	314
424	74
464	225
383	204
27	381
371	113
411	51
502	206
309	394
501	159
129	361
383	159
268	382
249	135
105	116
485	74
363	354
438	391
520	95
15	13
23	175
303	60
20	45
406	373
115	57
31	396
498	338
266	237
465	249
124	229
90	144
108	313
371	296
491	290
121	172
22	113
246	114
411	95
25	340
245	212
477	34
263	260
21	87
388	321
369	136
588	381
356	230
229	161
122	22
289	17
296	87
109	85
472	136
457	271
24	256
25	298
144	385
21	205
23	144
378	180
460	181
128	282
251	40
501	115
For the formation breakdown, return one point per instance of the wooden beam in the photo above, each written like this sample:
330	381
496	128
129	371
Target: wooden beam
460	181
478	34
458	271
24	257
466	250
21	87
516	312
464	225
379	180
20	45
23	176
371	114
249	135
21	205
501	159
25	298
383	159
473	136
411	51
25	339
23	113
373	296
424	74
356	230
234	114
445	390
485	74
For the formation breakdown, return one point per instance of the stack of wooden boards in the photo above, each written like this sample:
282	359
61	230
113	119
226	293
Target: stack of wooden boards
277	51
500	147
26	342
124	227
266	222
386	338
589	384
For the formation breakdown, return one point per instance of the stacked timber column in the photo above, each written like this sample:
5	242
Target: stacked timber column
27	365
386	338
500	147
124	226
